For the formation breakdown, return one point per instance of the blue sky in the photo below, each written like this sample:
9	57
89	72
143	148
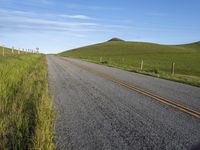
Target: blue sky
57	25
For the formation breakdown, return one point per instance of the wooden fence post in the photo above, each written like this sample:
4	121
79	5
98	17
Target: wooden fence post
141	66
173	68
100	59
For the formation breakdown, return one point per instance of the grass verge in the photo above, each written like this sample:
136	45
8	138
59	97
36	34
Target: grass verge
187	79
27	114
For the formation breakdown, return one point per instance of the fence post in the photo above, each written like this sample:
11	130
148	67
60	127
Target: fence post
173	68
100	59
141	66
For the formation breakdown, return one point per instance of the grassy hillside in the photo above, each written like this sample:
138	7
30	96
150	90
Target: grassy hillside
157	58
26	111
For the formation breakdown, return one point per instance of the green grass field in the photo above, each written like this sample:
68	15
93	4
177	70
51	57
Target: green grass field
157	58
27	114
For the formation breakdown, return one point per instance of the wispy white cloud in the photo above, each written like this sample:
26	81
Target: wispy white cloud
25	20
75	25
33	14
82	17
34	21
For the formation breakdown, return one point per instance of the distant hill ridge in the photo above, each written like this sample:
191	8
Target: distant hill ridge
129	46
118	44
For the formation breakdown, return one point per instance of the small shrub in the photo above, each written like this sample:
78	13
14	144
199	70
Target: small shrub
104	62
156	71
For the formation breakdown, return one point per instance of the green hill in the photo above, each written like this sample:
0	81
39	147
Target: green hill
157	58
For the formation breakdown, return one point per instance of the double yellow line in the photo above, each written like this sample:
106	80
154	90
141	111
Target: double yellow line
142	91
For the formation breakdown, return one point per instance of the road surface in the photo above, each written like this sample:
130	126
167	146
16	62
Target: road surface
101	108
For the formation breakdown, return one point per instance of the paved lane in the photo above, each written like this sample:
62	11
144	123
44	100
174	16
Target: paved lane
95	113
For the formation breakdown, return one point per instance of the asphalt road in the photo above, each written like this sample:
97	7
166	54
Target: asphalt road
97	113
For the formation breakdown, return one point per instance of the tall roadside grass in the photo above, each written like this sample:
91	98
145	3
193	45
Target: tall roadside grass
26	111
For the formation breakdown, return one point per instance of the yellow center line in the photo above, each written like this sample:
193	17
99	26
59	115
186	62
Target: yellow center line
142	91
